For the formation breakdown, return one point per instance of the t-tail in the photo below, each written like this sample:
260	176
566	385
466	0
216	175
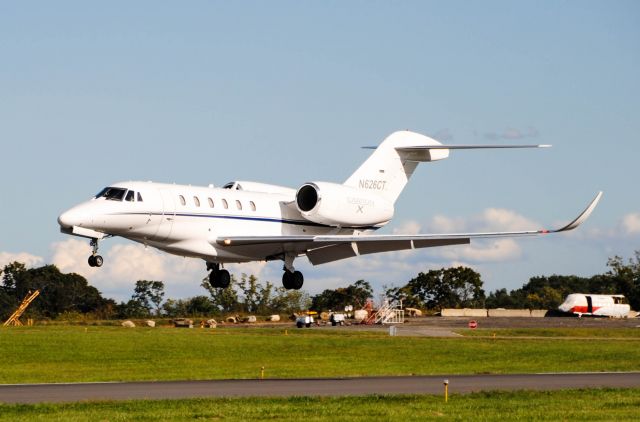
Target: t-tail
387	171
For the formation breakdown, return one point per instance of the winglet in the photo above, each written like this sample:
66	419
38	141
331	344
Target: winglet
582	217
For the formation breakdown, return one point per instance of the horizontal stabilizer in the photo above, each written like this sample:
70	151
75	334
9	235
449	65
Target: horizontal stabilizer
496	146
418	148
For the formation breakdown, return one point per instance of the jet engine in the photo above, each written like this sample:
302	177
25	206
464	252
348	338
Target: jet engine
342	206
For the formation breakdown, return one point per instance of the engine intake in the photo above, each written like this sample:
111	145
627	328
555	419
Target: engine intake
307	197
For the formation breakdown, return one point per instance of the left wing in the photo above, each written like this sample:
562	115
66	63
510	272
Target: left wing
327	248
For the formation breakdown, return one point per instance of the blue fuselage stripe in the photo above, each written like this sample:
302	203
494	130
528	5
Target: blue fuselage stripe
239	217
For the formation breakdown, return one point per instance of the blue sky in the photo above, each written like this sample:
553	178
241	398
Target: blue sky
287	92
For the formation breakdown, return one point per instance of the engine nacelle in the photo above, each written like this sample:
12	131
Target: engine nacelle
340	206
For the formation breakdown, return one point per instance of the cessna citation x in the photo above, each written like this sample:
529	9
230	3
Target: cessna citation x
249	221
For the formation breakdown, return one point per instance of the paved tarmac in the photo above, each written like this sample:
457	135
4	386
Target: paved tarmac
40	393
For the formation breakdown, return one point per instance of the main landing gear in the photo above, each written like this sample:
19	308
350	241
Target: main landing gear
291	279
95	260
218	277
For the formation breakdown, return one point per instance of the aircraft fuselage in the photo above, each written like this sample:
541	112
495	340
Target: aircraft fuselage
186	220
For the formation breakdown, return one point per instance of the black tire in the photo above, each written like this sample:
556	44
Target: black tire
299	324
213	278
308	325
297	280
287	280
224	279
92	261
98	261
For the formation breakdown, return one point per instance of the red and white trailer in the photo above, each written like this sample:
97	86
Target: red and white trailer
596	305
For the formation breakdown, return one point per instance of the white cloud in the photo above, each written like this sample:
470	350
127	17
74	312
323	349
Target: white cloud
70	256
485	251
256	268
126	263
408	227
631	224
625	229
501	219
491	219
24	257
444	224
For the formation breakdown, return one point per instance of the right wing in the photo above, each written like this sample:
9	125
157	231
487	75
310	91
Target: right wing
327	248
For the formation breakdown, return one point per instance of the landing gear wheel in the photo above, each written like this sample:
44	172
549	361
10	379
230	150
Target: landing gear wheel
224	279
219	278
292	280
97	259
287	280
298	280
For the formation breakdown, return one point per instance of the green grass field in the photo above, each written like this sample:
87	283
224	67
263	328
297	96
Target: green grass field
596	404
603	333
75	353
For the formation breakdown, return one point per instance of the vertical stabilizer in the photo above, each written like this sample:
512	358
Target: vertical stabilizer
387	170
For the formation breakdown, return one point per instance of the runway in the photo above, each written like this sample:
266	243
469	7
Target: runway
40	393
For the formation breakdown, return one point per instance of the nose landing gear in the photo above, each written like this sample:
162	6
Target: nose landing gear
218	277
95	260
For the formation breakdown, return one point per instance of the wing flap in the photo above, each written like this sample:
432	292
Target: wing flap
331	253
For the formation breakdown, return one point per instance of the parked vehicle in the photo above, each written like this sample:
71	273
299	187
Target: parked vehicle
337	318
305	320
596	305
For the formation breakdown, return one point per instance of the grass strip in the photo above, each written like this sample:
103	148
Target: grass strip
591	333
86	354
591	404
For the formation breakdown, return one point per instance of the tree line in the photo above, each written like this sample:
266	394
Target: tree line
461	287
68	295
547	292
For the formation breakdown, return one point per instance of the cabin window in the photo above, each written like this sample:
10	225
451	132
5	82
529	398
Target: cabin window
252	205
182	200
224	204
196	201
239	205
139	197
131	195
210	202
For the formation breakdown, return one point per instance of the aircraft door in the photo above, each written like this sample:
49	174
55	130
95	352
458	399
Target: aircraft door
589	305
168	215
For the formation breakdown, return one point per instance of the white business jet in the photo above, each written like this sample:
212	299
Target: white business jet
249	221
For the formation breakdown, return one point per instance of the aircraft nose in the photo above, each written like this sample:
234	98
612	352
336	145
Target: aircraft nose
70	218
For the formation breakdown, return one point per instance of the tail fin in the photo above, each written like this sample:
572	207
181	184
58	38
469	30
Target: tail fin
389	168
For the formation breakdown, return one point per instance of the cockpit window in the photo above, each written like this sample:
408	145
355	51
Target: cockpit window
232	186
131	195
99	194
113	194
139	197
